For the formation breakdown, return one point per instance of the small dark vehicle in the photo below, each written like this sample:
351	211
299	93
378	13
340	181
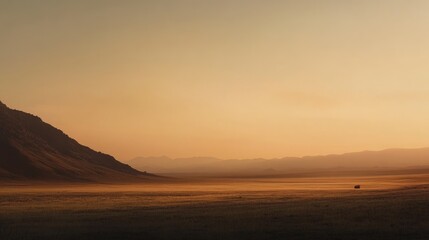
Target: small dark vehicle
357	186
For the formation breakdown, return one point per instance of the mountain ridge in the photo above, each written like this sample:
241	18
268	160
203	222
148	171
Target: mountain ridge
31	149
363	160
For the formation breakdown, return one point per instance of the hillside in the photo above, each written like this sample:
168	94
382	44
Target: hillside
31	149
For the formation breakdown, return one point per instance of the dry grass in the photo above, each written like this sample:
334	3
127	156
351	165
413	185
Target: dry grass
387	207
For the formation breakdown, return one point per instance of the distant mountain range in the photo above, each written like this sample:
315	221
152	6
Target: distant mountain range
389	159
31	149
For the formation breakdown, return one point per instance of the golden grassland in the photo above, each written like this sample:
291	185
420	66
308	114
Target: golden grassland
386	207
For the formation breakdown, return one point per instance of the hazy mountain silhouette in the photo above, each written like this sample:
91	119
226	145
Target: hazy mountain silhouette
165	164
368	160
31	149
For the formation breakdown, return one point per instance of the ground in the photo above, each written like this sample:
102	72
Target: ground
386	207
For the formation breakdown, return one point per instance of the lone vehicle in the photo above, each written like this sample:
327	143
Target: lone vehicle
357	186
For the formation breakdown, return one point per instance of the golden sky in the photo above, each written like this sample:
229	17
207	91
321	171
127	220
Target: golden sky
223	78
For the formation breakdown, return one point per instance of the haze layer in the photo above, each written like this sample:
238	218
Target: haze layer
229	79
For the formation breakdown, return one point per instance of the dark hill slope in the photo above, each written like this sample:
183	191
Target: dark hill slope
31	149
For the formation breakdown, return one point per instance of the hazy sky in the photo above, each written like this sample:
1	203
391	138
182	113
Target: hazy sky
231	79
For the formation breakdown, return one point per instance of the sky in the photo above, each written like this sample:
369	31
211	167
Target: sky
221	78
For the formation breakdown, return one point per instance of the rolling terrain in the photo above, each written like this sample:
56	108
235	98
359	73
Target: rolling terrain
366	161
52	187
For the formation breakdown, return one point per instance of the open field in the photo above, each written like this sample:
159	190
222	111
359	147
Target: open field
387	207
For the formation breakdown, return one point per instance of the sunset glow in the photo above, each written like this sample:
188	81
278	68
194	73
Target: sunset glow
221	78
